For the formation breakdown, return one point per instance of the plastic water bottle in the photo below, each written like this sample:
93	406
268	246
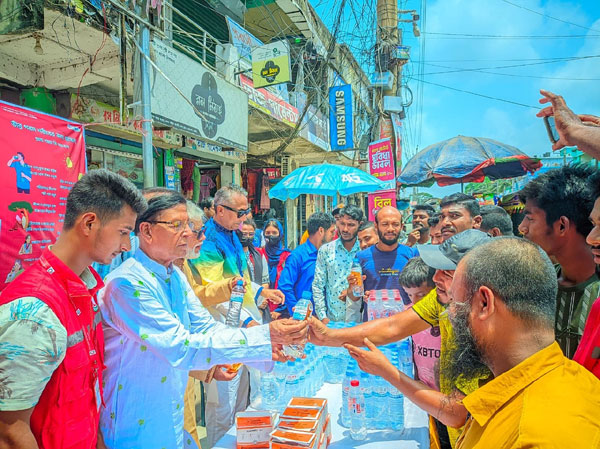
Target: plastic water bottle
396	414
291	382
269	389
380	402
405	356
302	310
358	424
358	290
351	373
337	363
366	387
235	305
280	374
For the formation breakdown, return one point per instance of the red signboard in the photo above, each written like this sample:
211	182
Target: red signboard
380	199
381	160
42	157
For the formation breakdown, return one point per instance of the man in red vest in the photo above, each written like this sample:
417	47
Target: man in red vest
51	341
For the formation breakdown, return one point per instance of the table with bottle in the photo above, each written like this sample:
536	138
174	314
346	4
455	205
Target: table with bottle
366	411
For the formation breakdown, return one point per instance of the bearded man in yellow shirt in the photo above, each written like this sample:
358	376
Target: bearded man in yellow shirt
502	309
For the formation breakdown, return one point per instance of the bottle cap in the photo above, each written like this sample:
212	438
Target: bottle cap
306	295
354	383
240	283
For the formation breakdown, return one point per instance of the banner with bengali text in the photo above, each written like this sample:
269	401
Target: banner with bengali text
381	160
380	199
42	157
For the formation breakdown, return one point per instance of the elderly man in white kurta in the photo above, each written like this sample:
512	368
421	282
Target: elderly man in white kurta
156	331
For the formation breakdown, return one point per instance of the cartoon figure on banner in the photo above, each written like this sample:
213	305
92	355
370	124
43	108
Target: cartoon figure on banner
23	172
16	270
27	246
22	209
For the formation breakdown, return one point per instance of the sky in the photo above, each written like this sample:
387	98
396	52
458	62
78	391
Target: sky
544	42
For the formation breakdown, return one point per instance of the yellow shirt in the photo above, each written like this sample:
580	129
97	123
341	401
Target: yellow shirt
435	314
546	401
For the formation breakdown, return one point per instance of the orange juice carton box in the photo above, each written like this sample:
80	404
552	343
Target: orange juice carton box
254	429
291	439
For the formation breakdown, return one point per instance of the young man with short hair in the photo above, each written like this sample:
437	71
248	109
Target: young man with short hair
557	208
334	262
417	281
367	235
496	221
299	271
420	225
50	325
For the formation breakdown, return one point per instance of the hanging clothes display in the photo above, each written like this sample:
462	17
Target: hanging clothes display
186	174
206	184
265	201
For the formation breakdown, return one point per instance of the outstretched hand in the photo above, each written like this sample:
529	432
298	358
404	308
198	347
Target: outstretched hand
371	360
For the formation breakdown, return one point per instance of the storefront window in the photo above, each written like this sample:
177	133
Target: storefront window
128	167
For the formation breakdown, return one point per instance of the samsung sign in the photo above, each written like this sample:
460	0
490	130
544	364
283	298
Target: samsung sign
340	118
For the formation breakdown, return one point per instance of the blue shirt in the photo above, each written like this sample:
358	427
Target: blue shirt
22	182
382	268
298	274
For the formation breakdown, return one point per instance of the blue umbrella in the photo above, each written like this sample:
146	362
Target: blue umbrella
325	179
466	159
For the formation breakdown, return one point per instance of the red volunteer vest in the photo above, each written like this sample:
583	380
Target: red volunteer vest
66	415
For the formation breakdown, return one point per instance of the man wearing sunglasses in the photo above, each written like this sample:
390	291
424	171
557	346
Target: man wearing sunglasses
222	257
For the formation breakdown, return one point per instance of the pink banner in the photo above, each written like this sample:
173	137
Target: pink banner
380	199
381	160
42	156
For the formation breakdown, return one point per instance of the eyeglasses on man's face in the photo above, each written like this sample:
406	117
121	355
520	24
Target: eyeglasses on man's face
177	225
240	212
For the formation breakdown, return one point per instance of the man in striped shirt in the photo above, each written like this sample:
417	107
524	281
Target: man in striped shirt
557	207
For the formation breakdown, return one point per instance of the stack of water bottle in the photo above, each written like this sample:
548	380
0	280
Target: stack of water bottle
371	402
303	377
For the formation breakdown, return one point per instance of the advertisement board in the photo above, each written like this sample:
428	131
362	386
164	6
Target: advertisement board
271	64
379	199
42	157
381	160
340	118
220	110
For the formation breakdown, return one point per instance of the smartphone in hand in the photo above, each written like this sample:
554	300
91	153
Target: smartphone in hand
551	129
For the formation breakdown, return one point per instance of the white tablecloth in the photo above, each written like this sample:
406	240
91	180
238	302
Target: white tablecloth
414	436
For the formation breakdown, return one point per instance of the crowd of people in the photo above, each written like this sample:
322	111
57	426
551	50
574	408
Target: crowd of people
105	339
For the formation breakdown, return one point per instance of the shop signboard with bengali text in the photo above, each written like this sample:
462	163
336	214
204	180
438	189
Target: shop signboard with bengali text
379	199
381	160
271	64
43	156
196	101
89	110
